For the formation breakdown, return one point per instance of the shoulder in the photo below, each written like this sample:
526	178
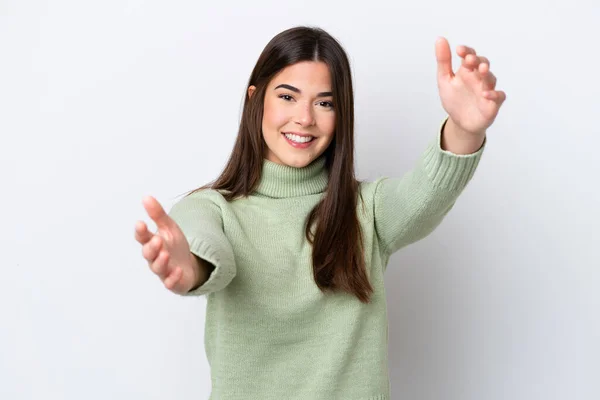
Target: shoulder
206	195
203	199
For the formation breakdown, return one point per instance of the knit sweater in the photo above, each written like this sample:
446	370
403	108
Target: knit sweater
270	333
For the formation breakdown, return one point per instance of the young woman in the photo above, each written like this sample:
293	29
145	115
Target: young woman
289	247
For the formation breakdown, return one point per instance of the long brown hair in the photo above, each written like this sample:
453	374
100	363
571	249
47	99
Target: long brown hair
338	248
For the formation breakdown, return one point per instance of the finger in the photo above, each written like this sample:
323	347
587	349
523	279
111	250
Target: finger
444	59
160	265
471	62
142	234
501	97
484	60
156	212
462	51
151	248
173	278
489	79
497	96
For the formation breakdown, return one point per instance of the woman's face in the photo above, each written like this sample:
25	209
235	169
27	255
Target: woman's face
299	116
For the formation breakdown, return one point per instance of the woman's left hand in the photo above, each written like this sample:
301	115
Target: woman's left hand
469	96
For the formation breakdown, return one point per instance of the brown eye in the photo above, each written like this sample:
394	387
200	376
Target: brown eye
285	97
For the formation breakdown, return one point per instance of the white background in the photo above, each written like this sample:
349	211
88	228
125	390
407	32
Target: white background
104	102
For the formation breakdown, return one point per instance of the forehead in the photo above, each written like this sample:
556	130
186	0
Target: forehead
305	75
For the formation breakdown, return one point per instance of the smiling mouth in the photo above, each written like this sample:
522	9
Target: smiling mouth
297	138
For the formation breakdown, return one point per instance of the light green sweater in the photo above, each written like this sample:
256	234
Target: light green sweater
270	333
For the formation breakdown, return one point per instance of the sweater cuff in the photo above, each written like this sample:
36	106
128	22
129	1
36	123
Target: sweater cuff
224	267
448	170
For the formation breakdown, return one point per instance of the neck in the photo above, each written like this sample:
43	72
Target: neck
282	181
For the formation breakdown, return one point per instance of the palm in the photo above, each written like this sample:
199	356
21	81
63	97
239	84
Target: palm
167	251
468	96
176	244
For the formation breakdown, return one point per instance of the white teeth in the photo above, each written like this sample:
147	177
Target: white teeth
298	139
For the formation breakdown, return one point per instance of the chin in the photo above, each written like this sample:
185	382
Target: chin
296	160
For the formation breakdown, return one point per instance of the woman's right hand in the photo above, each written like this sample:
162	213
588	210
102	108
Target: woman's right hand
167	251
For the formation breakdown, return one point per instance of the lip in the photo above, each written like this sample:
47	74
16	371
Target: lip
299	134
299	145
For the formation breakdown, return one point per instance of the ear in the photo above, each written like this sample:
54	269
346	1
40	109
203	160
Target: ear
251	90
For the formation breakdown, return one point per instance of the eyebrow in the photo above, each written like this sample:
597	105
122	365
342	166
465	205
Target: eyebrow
295	89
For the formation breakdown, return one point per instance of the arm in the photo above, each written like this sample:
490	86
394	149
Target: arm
201	221
202	269
409	208
456	141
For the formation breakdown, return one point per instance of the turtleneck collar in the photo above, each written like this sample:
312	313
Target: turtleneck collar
281	181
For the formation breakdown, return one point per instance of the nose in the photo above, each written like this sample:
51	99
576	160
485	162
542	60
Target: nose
305	115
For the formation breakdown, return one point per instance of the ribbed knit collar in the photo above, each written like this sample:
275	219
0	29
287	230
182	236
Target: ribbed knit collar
281	181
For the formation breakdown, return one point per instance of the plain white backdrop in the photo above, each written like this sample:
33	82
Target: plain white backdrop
102	103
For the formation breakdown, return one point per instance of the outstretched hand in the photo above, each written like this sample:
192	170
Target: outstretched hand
469	95
167	251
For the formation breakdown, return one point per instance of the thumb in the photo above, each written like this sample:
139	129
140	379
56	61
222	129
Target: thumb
444	59
156	212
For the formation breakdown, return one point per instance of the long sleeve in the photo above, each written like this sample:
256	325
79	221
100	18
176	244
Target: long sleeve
409	208
200	219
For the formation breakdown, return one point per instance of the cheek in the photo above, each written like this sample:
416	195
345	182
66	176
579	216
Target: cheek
273	117
327	126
